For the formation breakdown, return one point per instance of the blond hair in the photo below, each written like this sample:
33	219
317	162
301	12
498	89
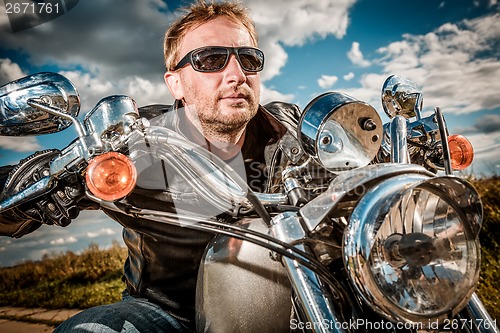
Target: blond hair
198	13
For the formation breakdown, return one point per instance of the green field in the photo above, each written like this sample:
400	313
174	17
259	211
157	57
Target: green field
66	280
489	280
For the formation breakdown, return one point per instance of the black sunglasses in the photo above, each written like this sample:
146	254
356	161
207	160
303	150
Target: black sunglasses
215	58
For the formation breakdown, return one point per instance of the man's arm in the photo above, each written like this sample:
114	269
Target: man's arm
61	205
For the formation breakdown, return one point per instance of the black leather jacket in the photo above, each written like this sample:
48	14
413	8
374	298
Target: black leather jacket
163	259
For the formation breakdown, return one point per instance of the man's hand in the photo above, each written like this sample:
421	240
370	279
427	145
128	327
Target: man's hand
57	207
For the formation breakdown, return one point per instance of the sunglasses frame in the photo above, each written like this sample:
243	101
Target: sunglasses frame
188	58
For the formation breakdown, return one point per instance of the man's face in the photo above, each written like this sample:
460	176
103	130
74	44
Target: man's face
223	101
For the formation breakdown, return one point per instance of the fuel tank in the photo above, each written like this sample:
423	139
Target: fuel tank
240	288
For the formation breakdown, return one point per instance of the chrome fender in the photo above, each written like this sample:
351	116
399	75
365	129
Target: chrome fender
240	288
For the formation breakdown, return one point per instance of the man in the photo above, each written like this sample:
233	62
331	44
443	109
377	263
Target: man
213	67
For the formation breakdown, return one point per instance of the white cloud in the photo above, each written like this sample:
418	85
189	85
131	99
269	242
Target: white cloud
102	232
269	95
93	88
484	135
327	81
293	23
20	144
273	64
9	71
62	241
356	56
456	65
36	244
99	38
147	92
369	91
348	76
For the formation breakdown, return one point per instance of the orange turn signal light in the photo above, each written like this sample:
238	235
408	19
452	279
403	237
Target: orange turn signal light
111	176
461	151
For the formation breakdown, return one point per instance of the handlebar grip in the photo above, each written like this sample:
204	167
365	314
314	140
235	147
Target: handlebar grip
39	188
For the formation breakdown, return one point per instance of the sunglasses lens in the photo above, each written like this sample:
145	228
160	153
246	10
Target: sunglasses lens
213	59
210	59
251	59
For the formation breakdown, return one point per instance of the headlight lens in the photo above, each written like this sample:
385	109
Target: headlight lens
411	248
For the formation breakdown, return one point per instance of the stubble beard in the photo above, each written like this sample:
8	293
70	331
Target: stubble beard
220	122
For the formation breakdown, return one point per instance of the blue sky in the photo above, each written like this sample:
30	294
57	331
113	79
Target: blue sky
450	48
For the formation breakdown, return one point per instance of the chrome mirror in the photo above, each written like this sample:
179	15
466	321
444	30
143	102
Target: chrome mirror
340	132
402	97
18	114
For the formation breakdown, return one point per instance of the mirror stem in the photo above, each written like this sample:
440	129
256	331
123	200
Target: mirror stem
444	141
79	128
399	147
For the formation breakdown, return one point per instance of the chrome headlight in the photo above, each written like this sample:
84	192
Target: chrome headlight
411	248
340	132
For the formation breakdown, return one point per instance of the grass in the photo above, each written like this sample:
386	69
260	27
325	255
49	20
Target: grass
94	277
66	280
489	280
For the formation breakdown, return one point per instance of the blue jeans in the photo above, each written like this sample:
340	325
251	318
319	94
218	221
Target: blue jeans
129	315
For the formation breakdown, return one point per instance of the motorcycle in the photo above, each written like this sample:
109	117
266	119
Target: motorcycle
369	229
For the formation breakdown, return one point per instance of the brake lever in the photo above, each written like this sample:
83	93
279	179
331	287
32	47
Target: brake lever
39	188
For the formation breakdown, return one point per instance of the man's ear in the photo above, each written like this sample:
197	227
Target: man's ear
174	84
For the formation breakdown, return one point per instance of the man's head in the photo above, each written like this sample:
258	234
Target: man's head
198	13
224	99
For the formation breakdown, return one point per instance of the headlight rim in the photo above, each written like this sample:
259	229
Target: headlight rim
354	240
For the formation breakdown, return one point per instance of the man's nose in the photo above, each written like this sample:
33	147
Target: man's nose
233	71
